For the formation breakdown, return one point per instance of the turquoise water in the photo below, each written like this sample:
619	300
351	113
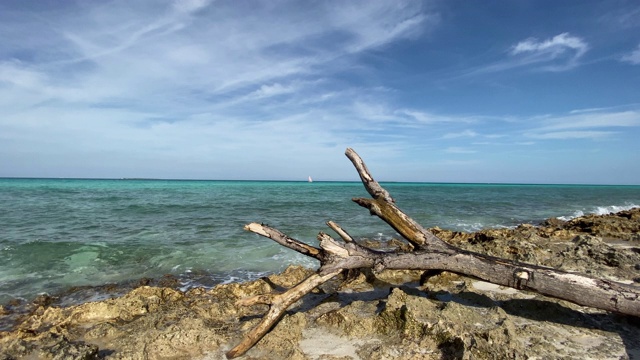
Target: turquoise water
59	233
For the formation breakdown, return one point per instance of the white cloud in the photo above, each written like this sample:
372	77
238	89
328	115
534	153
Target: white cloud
590	120
424	117
19	75
465	133
589	124
272	90
355	16
559	53
580	111
190	82
189	55
202	89
555	46
459	150
633	57
621	18
563	135
190	6
219	48
494	136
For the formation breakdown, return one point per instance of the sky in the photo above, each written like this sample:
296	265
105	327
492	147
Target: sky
515	91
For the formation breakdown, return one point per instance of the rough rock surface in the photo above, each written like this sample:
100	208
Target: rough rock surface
391	315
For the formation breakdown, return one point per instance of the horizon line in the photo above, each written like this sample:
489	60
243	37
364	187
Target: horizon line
305	181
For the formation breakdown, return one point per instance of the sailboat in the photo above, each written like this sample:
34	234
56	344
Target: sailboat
310	179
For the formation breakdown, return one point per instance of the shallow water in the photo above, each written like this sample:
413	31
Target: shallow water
59	233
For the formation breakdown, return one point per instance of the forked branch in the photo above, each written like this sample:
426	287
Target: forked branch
432	254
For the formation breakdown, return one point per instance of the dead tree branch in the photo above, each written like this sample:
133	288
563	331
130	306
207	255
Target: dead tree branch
278	305
431	253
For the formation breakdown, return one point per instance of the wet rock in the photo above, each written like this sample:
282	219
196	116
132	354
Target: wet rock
44	300
554	223
15	302
169	281
145	281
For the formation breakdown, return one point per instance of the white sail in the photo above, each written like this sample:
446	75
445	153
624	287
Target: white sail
310	180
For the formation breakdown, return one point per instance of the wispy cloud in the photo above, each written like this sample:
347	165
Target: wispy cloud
554	46
459	150
623	17
424	117
190	6
151	88
581	111
14	72
464	133
196	78
215	48
584	125
632	57
593	120
558	53
562	135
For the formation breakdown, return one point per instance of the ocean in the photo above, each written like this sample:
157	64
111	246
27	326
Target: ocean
56	234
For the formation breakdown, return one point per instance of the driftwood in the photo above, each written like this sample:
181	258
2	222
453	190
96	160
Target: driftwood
430	253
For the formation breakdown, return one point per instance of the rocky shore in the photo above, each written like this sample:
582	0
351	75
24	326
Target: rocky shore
391	315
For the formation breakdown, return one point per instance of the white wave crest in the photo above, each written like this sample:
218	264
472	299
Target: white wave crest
599	210
469	227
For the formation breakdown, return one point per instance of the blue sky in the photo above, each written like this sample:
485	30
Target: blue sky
454	91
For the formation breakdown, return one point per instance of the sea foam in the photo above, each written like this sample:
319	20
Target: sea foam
600	210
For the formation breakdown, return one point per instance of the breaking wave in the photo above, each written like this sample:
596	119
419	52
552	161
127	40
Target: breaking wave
600	210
